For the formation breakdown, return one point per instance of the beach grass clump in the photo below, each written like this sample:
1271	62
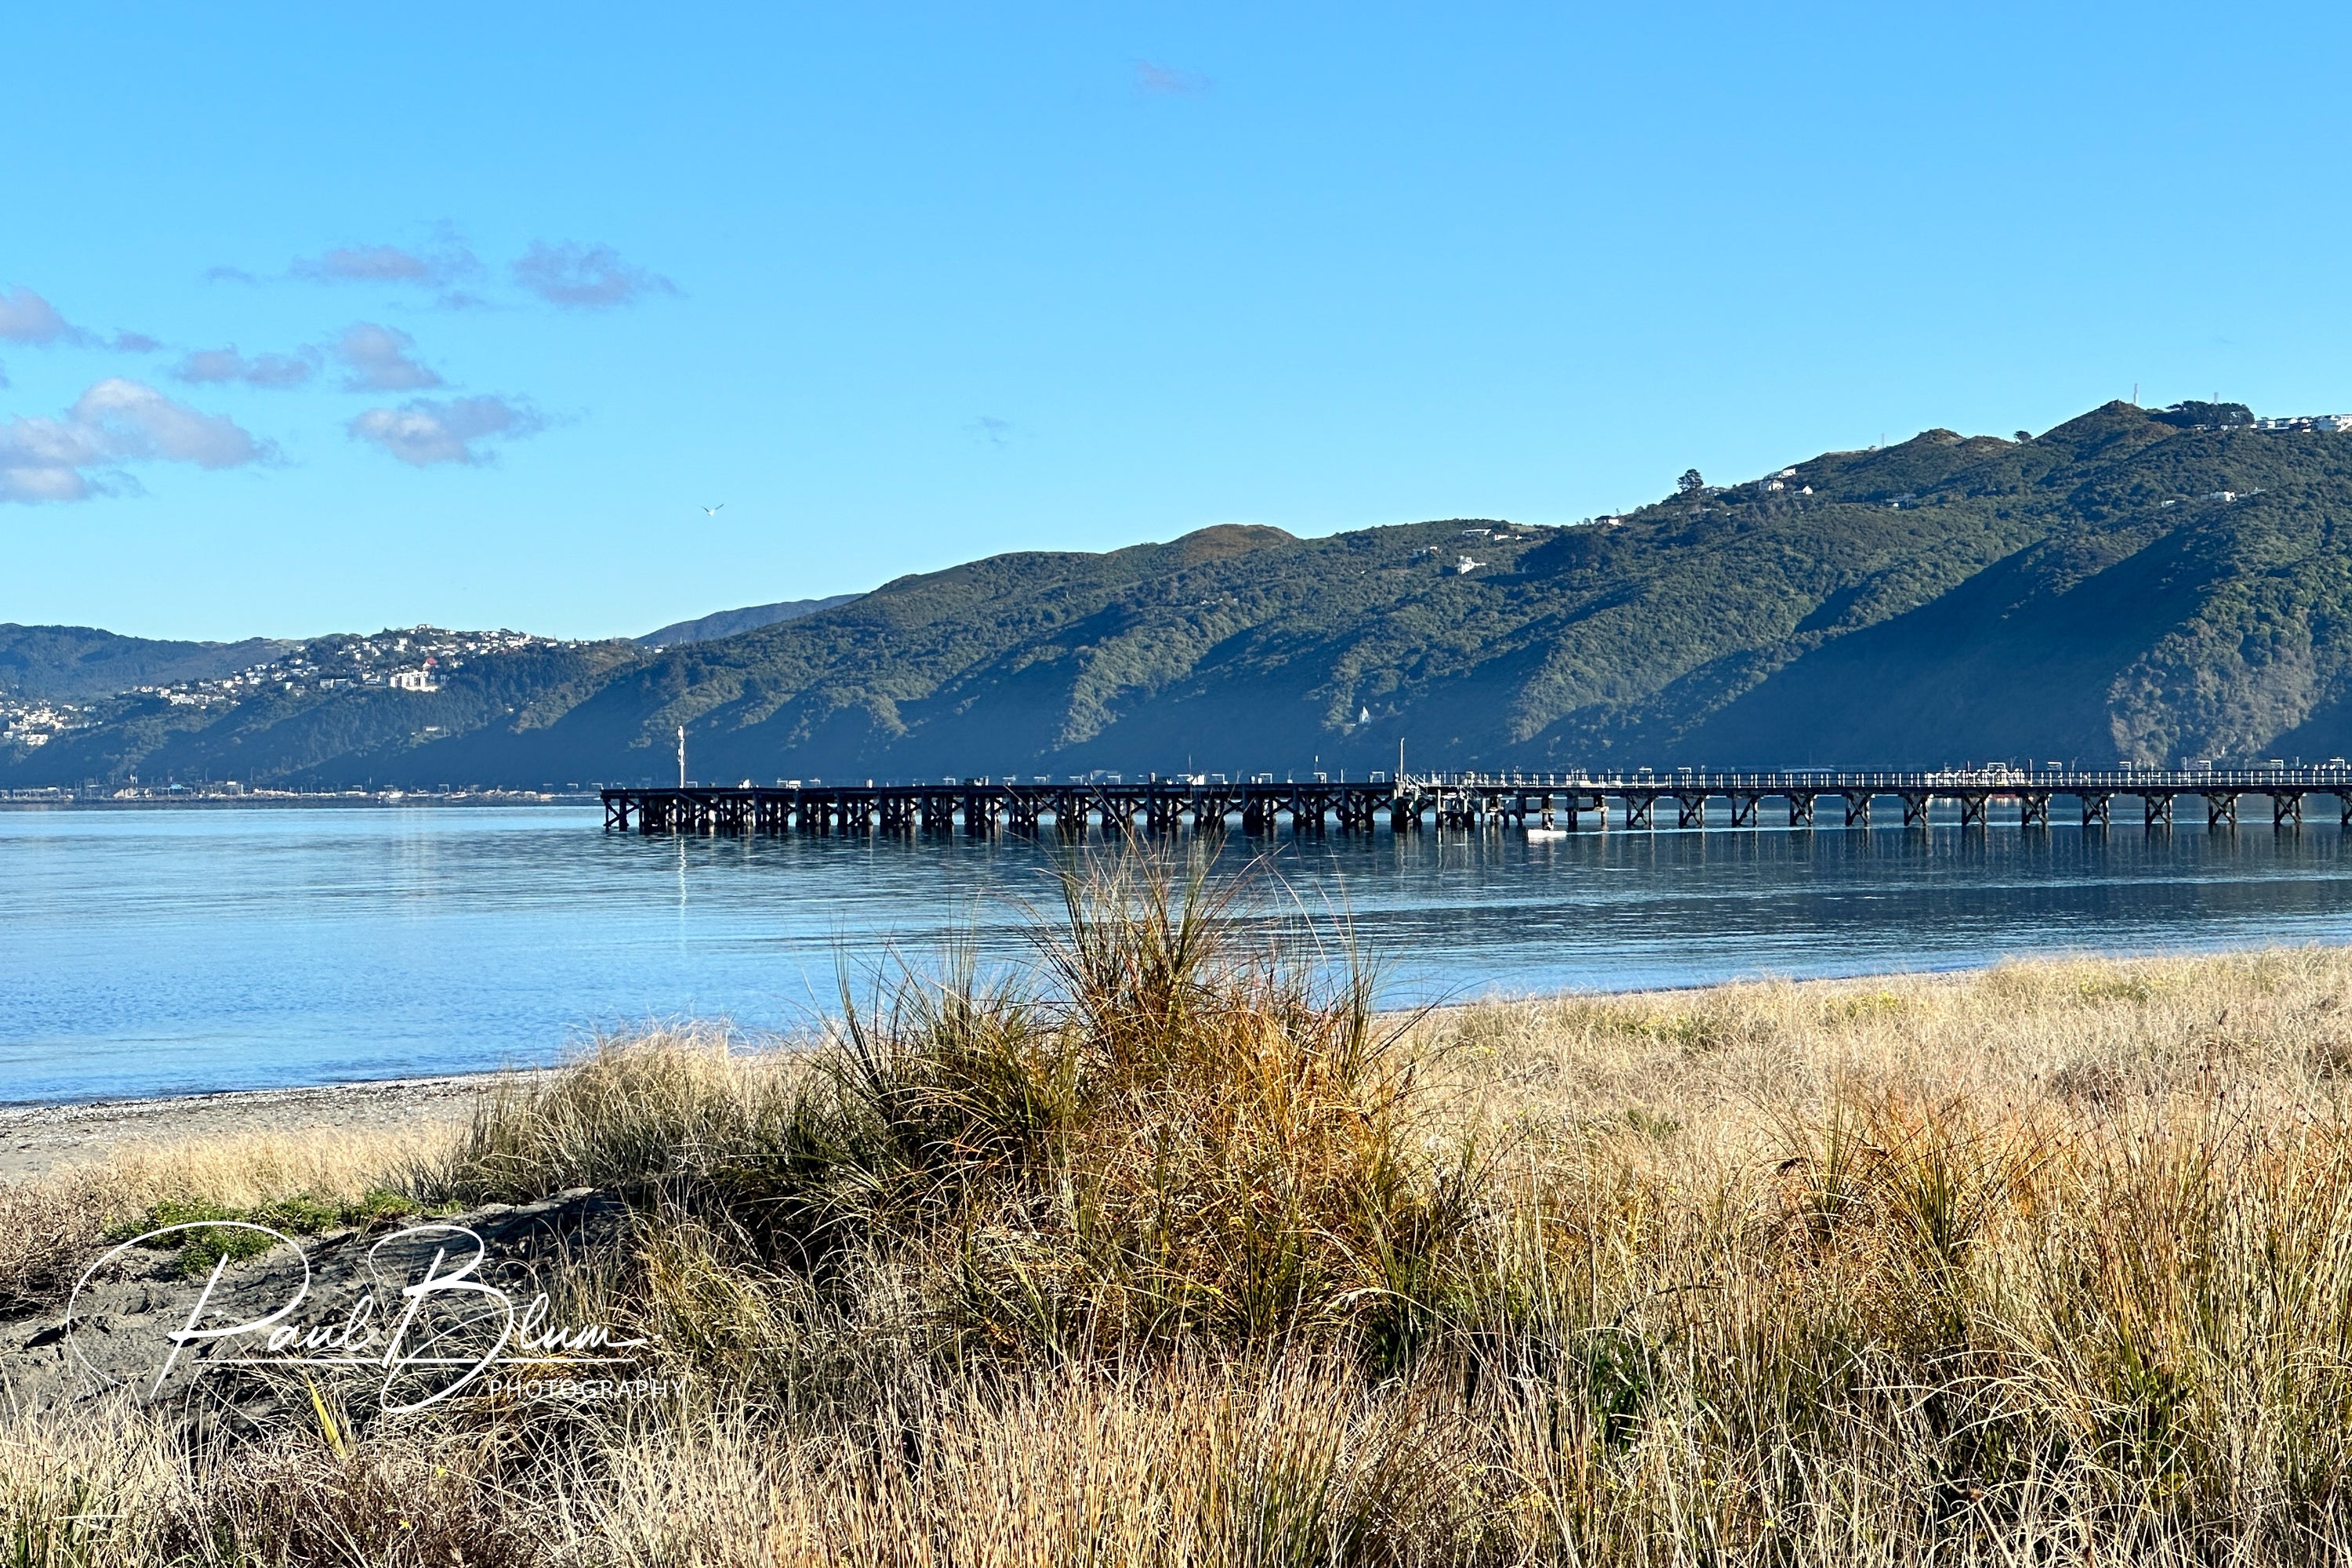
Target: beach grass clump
1165	1130
660	1108
1181	1133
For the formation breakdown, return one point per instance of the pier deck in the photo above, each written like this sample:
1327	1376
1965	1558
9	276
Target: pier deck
983	807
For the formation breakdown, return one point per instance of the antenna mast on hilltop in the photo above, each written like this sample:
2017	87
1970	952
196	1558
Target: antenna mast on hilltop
681	757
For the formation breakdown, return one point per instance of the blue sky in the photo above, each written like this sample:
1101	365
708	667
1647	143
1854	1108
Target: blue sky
515	290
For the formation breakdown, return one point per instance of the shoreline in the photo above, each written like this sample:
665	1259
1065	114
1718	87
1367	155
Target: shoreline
38	1138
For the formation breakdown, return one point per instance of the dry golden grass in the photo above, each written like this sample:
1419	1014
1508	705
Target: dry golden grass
1181	1258
49	1223
1297	1461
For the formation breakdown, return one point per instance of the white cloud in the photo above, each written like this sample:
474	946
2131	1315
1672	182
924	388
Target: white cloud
585	277
27	318
43	459
378	360
137	421
422	432
115	422
212	366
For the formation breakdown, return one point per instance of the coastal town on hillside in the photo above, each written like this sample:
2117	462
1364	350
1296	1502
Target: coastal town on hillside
418	658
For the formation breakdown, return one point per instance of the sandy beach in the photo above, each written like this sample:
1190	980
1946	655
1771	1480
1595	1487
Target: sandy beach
35	1139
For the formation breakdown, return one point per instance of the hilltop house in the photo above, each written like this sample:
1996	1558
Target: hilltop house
2327	424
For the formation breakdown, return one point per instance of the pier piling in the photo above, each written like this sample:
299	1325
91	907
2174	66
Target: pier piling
1453	802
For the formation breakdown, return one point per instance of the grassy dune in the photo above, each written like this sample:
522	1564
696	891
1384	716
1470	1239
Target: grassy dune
1167	1253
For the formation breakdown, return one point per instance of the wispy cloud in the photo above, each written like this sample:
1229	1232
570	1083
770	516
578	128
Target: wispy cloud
377	359
447	263
115	422
422	432
27	318
585	277
212	366
365	264
441	266
1169	81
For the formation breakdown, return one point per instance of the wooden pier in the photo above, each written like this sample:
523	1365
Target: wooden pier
982	807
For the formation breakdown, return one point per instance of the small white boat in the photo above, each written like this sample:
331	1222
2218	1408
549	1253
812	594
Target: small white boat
1547	833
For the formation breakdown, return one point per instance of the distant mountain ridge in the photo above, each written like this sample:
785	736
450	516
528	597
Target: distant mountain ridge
2128	586
729	623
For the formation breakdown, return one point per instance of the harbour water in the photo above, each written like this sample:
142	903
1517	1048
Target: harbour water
154	951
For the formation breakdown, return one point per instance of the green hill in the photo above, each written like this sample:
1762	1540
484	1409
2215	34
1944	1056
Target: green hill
2084	595
74	664
729	622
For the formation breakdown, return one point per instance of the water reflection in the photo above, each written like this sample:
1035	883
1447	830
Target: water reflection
158	951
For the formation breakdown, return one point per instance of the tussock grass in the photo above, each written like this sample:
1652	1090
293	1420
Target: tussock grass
1166	1250
1164	1133
664	1107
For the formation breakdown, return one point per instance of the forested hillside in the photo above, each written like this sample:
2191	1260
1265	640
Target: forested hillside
72	663
727	622
2129	585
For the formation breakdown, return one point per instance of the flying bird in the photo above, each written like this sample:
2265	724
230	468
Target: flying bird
713	510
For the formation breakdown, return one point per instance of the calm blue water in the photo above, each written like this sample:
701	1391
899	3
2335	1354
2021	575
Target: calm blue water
159	951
